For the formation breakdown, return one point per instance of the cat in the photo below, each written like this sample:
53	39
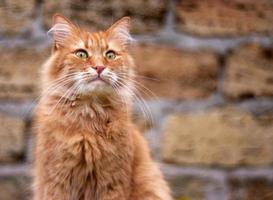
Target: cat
87	147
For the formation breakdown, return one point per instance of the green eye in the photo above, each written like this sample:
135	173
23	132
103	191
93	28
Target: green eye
111	55
81	54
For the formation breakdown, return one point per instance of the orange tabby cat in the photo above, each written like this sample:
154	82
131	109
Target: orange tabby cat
87	147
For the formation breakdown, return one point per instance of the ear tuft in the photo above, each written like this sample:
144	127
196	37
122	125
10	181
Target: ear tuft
61	29
120	31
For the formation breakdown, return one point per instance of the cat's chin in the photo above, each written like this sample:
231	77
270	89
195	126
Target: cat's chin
96	88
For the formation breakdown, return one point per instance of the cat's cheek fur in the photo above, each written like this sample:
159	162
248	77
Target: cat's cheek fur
109	75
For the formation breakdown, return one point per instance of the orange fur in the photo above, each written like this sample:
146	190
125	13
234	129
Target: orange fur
87	147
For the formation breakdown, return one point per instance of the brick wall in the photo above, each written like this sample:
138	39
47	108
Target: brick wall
209	73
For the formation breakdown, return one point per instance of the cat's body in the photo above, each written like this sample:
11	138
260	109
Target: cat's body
87	147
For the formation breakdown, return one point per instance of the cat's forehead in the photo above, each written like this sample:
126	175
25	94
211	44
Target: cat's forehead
91	40
96	39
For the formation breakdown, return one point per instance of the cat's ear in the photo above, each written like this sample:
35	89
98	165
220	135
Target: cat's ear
60	30
120	31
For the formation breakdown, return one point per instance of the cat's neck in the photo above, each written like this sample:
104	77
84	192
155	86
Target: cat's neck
86	113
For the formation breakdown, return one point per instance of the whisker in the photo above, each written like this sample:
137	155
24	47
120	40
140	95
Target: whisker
139	85
58	83
146	111
119	94
63	96
138	76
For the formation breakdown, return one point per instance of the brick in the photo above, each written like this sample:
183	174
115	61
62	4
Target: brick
16	16
12	138
225	18
250	189
197	184
249	72
15	187
19	69
147	16
175	74
226	137
187	187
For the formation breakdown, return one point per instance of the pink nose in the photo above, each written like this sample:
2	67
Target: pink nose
99	69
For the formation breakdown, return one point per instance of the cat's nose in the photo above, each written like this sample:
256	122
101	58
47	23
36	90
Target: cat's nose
99	69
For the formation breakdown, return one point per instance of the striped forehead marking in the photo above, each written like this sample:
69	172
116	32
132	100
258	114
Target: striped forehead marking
89	42
78	45
96	40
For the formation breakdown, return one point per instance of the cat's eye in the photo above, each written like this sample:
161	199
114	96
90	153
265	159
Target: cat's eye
82	54
111	55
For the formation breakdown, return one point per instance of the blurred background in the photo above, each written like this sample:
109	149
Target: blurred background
208	67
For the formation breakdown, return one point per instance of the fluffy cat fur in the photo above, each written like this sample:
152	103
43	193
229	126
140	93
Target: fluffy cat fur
87	147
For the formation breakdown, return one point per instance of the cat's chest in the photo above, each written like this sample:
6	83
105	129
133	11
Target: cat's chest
97	161
97	155
85	160
93	150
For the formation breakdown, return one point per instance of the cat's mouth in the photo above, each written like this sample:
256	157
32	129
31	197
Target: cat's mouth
97	79
97	83
90	82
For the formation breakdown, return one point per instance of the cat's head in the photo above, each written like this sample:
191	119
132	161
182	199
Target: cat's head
87	63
